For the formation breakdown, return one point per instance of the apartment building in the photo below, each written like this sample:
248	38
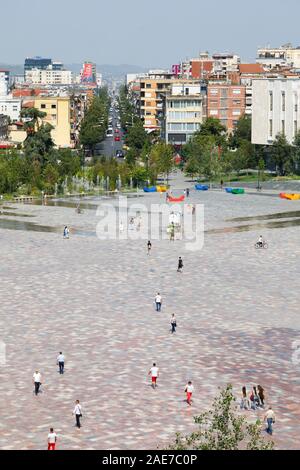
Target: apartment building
227	103
48	76
275	109
151	97
273	57
184	111
58	114
10	107
225	63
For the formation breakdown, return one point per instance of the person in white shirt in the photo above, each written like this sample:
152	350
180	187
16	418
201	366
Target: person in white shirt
189	388
61	362
158	302
154	372
66	232
52	438
270	419
78	413
37	381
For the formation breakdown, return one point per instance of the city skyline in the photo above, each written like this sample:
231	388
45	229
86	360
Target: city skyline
135	33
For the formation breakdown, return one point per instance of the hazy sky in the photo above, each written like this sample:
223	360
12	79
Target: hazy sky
143	32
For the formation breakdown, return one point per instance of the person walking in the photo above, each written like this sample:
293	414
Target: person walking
52	439
158	302
61	362
187	192
180	265
37	381
66	232
149	246
189	389
270	419
154	372
77	412
173	324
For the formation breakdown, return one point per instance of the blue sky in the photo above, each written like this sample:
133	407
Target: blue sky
143	32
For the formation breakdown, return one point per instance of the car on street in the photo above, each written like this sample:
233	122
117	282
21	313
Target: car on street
119	154
117	138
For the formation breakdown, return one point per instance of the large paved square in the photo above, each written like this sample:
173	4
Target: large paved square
237	310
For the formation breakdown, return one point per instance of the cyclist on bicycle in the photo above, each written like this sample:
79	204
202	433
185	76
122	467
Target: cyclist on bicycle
260	241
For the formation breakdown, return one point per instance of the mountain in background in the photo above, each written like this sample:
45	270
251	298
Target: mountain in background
14	69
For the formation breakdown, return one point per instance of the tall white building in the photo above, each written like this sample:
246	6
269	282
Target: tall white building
4	82
49	76
275	109
184	112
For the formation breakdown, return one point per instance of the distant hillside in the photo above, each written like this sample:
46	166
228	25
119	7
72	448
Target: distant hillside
14	69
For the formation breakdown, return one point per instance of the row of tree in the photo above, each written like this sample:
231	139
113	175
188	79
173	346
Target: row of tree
211	153
95	122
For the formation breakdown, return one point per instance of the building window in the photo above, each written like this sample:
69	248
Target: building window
271	128
148	103
271	100
283	100
53	106
148	85
236	92
214	91
43	106
296	108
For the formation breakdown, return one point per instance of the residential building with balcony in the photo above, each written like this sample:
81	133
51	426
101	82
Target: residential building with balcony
49	76
184	111
151	96
275	109
274	57
227	103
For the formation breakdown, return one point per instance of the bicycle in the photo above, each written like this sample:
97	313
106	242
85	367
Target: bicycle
261	246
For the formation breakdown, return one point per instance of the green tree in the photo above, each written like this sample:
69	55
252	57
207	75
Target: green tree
35	116
136	137
50	177
281	154
40	143
296	153
221	428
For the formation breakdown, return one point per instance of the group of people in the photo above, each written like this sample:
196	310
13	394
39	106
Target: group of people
77	411
256	401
